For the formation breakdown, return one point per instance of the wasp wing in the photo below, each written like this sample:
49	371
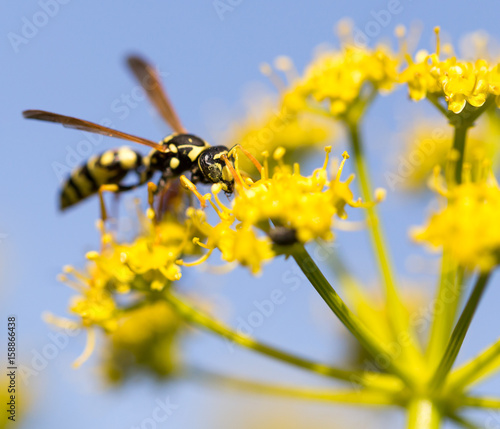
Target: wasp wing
80	124
150	81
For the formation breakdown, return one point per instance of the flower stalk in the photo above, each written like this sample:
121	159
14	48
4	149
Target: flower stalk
397	313
423	414
348	319
485	364
458	335
364	378
353	397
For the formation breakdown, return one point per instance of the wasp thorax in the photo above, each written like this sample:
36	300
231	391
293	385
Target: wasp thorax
214	168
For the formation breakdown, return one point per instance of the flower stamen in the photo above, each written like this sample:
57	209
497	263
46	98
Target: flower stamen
198	261
87	351
254	161
236	176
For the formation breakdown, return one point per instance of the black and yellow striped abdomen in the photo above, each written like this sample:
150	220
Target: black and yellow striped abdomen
108	168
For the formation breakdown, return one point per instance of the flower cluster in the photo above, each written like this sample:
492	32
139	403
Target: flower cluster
468	226
119	289
303	206
145	339
459	82
149	262
340	78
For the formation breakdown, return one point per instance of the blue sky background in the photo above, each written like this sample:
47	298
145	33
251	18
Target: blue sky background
74	65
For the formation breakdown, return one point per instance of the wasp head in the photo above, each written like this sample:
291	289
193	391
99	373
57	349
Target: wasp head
214	169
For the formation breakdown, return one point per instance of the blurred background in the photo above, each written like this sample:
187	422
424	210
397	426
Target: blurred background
68	57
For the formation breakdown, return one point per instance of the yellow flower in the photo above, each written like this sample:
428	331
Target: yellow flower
419	78
305	206
145	339
95	307
468	226
340	78
149	262
459	82
147	265
240	244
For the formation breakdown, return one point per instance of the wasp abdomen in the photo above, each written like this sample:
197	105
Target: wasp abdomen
107	168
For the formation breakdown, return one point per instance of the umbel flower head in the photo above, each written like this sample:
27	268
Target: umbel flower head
468	226
303	206
459	82
148	262
122	283
341	78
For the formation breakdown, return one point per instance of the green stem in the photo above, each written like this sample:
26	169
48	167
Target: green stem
364	378
365	337
458	335
423	414
481	402
451	275
356	397
435	101
459	148
445	308
476	369
396	311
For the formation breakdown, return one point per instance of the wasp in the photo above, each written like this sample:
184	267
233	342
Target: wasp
176	154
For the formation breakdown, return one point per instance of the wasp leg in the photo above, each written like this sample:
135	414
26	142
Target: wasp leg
167	198
102	189
152	189
192	187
